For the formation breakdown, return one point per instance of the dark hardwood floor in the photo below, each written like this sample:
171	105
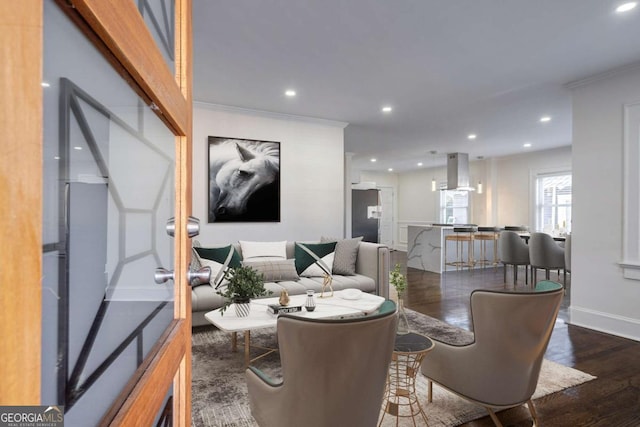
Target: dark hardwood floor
611	400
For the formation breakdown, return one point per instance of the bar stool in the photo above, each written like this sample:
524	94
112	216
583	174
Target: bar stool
484	235
461	235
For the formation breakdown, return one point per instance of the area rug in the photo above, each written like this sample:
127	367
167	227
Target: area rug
219	392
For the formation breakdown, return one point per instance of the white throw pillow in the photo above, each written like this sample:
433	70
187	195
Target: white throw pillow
263	251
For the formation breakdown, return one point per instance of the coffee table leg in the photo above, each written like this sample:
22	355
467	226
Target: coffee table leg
247	354
234	341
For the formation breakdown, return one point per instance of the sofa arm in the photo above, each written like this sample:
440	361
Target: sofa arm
373	261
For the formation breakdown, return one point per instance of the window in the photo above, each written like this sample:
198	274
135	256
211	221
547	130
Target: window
553	202
454	206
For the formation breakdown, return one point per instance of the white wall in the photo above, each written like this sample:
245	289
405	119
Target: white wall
601	297
515	180
311	168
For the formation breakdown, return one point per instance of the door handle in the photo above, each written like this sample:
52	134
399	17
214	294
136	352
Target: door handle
163	275
202	275
193	227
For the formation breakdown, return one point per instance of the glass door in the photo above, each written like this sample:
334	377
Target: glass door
113	166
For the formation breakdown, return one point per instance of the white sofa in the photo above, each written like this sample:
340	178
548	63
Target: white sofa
372	276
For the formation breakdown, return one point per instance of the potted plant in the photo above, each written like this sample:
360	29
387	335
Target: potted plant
399	282
243	284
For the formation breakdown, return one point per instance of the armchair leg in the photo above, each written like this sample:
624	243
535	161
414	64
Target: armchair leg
429	391
533	412
493	416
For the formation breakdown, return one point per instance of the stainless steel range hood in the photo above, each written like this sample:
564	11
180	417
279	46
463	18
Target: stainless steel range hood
458	172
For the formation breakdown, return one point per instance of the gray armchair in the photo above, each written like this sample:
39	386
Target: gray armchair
513	251
334	372
500	369
546	254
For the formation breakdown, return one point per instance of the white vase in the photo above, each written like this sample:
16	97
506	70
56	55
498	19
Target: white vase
242	308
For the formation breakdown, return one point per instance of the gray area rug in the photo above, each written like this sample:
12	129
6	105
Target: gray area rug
219	393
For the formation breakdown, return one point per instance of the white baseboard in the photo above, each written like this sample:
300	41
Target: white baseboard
621	326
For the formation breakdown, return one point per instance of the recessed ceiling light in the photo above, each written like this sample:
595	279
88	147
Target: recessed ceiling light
45	84
626	7
526	145
374	160
545	119
77	148
290	93
387	109
472	136
390	169
419	163
56	157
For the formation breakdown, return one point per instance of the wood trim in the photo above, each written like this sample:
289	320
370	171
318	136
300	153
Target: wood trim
21	206
120	26
141	408
184	78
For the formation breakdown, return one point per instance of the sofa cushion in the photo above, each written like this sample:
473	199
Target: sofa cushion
314	259
262	251
299	287
219	260
275	270
346	256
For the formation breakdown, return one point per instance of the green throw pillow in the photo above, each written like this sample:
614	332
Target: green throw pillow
220	260
314	259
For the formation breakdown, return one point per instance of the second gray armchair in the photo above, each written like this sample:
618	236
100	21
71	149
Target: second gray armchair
500	369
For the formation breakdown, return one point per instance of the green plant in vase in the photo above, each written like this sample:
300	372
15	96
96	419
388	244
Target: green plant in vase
399	282
244	283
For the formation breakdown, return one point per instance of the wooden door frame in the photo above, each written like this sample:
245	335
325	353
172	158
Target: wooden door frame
119	32
21	206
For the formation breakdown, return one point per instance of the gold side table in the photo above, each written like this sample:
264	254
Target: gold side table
400	399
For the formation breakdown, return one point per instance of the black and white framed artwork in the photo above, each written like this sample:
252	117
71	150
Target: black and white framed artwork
244	180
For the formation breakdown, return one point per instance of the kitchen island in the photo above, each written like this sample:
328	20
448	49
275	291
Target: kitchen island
425	248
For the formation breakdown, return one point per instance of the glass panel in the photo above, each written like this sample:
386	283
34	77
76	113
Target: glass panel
159	15
108	192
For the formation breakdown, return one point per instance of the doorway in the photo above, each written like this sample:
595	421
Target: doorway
372	215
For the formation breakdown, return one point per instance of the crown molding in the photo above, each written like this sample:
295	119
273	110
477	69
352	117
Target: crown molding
602	76
269	114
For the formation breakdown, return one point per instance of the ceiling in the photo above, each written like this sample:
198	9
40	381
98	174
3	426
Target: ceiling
448	68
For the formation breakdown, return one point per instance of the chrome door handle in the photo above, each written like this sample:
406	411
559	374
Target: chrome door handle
163	275
171	227
202	275
193	227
